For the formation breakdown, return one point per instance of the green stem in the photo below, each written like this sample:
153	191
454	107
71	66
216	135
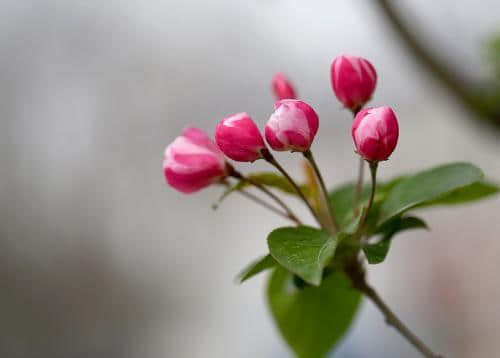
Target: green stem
361	173
359	186
270	159
373	172
261	202
329	206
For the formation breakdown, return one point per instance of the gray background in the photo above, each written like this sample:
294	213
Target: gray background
98	258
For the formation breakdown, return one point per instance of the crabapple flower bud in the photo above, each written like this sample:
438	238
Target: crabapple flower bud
292	126
375	132
353	80
239	138
193	161
282	87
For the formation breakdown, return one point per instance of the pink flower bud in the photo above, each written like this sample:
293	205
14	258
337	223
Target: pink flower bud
375	132
192	162
239	138
282	87
353	80
292	126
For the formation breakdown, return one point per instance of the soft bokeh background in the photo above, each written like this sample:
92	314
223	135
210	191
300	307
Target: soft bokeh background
98	258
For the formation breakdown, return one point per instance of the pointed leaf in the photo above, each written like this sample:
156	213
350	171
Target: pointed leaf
312	320
428	186
476	191
261	264
376	253
303	250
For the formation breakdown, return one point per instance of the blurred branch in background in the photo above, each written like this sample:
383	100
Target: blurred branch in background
482	99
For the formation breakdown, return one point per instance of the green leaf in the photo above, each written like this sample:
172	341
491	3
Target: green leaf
476	191
261	264
401	223
276	181
376	253
312	320
428	186
303	250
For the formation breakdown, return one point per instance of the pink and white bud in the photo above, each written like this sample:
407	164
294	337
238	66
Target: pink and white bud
375	132
292	126
282	87
353	80
192	162
239	138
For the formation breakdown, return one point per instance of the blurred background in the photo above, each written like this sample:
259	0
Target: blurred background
98	258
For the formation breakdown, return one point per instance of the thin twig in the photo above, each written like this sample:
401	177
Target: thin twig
329	206
259	201
265	204
394	321
289	213
359	186
373	171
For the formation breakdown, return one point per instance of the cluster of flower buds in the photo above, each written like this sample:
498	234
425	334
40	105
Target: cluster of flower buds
193	161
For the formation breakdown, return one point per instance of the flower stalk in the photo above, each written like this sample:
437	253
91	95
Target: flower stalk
271	160
364	216
289	213
259	201
332	221
361	173
359	185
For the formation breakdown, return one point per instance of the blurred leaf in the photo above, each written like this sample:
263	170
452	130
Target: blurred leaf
261	264
277	181
312	185
312	320
427	186
401	223
473	192
376	253
494	54
303	250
